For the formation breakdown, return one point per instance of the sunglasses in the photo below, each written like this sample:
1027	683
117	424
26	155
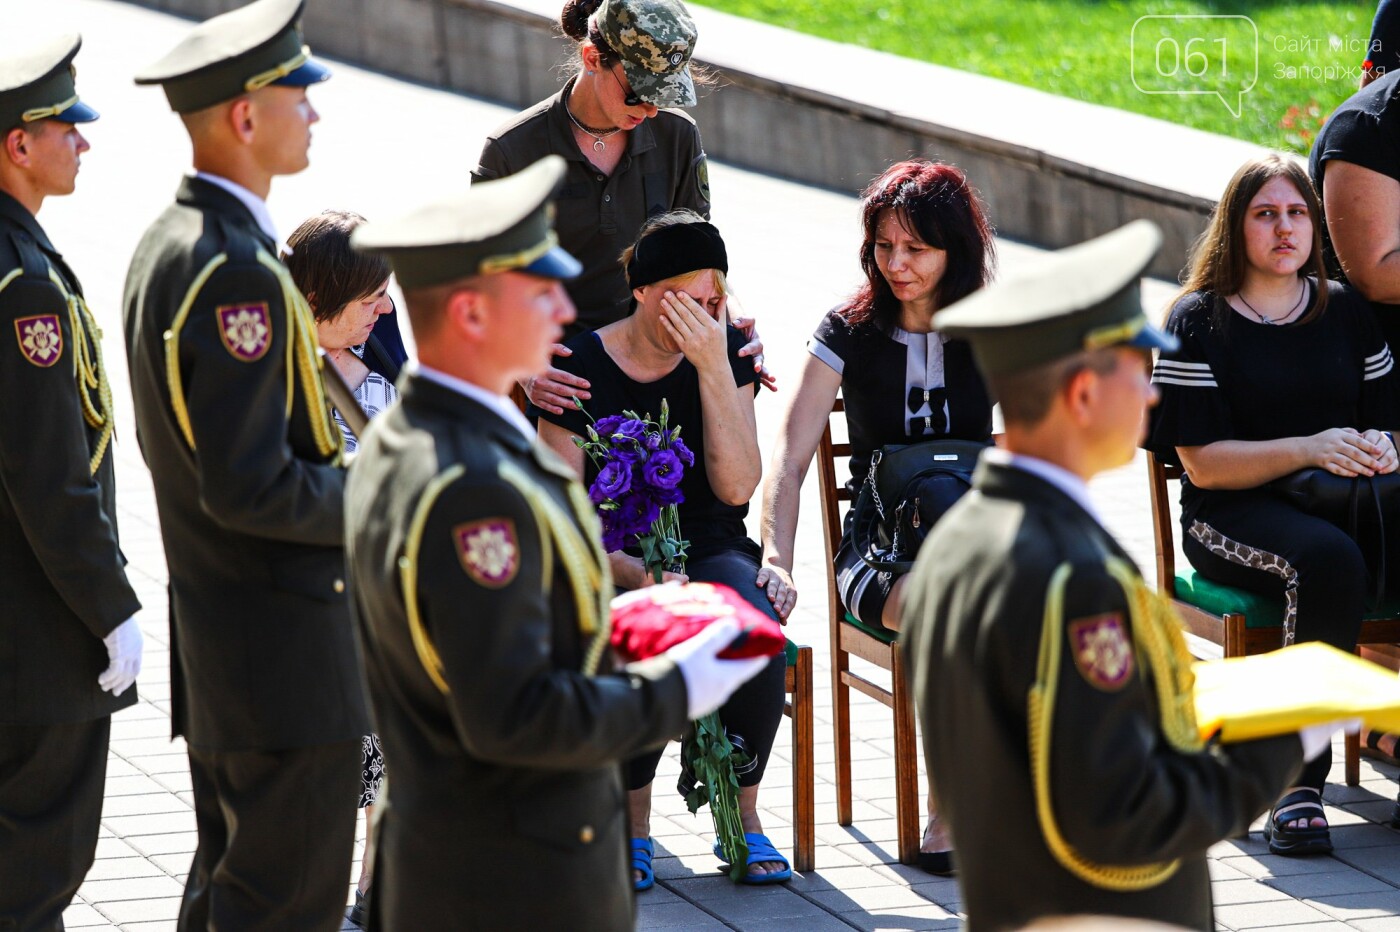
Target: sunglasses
630	98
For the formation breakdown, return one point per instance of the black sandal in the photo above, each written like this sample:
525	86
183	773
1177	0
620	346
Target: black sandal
1301	803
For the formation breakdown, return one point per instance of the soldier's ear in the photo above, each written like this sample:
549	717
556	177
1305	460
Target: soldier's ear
17	146
467	314
240	118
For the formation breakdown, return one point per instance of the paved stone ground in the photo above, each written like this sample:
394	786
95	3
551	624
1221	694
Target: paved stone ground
386	144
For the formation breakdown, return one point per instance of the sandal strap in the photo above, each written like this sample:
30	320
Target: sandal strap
643	853
761	849
1303	799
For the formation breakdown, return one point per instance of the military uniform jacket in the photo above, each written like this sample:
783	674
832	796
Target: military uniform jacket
1122	795
597	215
475	570
62	583
243	454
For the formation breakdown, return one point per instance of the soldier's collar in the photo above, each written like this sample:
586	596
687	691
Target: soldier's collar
13	210
200	193
507	422
642	139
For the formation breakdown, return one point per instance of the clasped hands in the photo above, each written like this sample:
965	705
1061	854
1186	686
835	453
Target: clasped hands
1348	452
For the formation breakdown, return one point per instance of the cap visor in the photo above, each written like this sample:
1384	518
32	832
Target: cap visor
1150	338
554	264
661	90
78	113
312	72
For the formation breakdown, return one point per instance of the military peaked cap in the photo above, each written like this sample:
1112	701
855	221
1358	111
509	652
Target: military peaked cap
494	226
1082	298
234	54
37	84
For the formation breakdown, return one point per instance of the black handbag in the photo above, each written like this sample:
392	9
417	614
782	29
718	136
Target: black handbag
909	487
1352	503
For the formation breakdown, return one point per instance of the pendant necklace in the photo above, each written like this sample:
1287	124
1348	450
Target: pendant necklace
1302	293
596	135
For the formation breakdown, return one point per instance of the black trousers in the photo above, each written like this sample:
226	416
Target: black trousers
276	837
52	779
1256	541
756	709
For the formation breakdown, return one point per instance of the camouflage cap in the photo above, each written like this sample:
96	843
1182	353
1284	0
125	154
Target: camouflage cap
1085	297
655	39
37	84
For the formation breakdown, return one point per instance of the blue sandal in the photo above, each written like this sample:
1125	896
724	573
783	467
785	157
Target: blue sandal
760	850
643	851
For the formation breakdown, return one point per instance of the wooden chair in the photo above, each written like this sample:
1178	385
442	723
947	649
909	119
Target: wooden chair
1240	622
798	707
876	645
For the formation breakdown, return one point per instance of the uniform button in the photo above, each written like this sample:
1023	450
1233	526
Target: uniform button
600	177
338	585
606	198
585	835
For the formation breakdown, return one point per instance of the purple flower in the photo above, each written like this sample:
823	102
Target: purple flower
613	537
653	440
626	451
605	427
683	451
636	514
663	470
664	497
631	428
612	481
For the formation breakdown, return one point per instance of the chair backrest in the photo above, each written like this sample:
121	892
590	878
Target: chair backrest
831	459
1163	539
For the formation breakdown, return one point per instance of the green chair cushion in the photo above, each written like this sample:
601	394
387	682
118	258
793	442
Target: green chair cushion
1259	611
883	635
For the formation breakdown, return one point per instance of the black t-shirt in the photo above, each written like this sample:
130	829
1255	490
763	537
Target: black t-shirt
882	374
1383	51
706	522
1365	131
1253	381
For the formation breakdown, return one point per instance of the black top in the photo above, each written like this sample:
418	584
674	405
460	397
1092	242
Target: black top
1254	381
1365	131
1383	51
598	215
881	374
708	523
384	350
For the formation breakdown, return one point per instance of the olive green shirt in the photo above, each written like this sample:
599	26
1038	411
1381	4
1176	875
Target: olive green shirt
599	215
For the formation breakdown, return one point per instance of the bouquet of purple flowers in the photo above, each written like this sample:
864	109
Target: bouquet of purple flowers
640	466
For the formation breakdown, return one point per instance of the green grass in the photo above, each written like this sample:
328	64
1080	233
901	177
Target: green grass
1309	53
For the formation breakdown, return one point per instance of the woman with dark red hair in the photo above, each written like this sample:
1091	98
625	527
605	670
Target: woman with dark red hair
927	244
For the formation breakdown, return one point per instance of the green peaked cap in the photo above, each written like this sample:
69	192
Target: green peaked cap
37	84
1081	298
234	54
494	226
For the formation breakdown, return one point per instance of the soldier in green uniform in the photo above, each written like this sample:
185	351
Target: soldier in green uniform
1053	686
69	646
482	591
245	458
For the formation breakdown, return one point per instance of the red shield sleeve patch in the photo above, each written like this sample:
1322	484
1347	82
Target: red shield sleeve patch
1102	651
489	551
246	330
40	339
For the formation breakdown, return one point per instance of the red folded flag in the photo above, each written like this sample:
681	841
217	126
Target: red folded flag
648	621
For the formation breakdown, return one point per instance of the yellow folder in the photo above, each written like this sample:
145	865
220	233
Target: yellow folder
1277	693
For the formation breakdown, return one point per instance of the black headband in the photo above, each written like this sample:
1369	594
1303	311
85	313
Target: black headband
676	250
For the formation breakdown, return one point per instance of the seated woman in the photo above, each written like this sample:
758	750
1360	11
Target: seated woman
348	294
927	243
1278	369
677	346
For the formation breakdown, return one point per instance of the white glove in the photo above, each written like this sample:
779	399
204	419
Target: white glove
124	650
1318	738
709	681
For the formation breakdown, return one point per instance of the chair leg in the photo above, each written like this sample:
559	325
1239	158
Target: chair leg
906	756
1353	758
841	728
804	798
